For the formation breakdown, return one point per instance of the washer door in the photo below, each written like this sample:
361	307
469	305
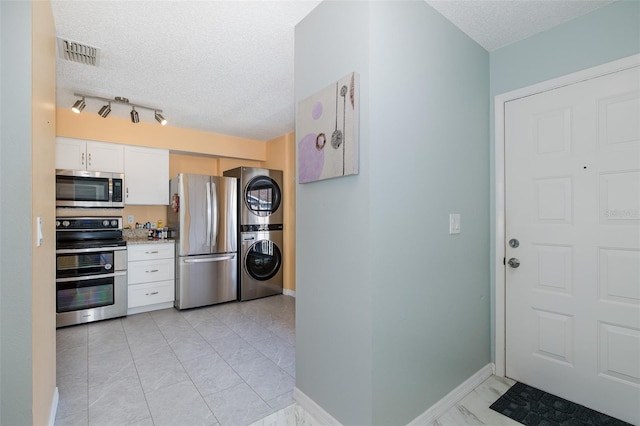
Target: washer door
263	259
262	196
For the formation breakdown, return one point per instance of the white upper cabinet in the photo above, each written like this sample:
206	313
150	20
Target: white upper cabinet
146	174
80	154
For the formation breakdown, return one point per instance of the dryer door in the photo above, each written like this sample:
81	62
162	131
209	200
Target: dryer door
262	196
263	260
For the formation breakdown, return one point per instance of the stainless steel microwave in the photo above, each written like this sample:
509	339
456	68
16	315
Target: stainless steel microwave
83	188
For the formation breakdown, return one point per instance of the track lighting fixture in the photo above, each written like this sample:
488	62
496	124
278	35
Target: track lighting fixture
160	119
78	106
105	110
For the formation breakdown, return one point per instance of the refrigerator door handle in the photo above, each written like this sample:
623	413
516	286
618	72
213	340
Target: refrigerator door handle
214	218
208	195
210	259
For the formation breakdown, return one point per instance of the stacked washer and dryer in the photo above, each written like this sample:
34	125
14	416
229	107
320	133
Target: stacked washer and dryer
260	226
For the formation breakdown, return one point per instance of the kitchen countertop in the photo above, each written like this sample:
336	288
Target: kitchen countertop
140	236
131	241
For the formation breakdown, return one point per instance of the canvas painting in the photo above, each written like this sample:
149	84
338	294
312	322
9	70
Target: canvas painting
327	131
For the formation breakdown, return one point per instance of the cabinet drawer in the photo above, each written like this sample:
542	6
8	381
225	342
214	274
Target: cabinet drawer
150	270
150	251
151	293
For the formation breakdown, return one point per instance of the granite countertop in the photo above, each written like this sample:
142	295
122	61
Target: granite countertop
131	241
140	236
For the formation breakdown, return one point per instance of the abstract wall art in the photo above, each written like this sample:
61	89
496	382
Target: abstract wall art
327	131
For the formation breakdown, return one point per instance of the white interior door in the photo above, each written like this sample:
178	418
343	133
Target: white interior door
572	182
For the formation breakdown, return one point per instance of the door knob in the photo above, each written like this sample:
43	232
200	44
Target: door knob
513	262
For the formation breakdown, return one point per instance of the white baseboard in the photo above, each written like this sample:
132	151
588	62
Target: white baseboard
427	418
54	407
319	415
288	292
453	397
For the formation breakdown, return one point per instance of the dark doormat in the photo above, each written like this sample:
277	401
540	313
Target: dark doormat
531	406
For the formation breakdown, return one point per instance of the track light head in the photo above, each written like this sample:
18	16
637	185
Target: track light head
105	110
160	119
78	106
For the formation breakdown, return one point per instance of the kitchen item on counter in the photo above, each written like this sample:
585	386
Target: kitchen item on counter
91	270
205	230
84	188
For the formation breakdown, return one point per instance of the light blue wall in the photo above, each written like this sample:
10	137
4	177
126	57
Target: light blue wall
15	214
429	157
333	274
400	316
602	36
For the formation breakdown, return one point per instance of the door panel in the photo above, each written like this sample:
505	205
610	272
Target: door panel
225	228
195	237
572	170
206	280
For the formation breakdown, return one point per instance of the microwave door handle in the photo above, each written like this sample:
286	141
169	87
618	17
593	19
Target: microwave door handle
110	188
208	197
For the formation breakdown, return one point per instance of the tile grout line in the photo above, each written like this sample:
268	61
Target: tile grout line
253	317
126	336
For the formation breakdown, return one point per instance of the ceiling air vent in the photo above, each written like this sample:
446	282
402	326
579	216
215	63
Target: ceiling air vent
78	52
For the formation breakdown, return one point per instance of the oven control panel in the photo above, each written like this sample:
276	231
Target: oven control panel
88	223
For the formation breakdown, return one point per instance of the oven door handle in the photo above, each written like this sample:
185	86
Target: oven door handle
90	250
90	277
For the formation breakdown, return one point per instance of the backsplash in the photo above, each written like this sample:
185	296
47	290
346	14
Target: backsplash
135	234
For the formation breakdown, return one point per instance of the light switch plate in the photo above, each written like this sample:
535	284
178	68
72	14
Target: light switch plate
454	223
39	236
130	219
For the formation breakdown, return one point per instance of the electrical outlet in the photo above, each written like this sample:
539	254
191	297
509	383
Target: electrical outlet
130	219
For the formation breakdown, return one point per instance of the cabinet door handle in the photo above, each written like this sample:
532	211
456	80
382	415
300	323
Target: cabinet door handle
151	252
83	158
151	294
89	158
152	270
127	192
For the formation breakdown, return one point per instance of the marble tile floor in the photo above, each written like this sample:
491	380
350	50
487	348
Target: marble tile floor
473	409
227	364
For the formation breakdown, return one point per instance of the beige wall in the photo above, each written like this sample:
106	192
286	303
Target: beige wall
281	156
184	163
43	205
232	163
191	152
119	130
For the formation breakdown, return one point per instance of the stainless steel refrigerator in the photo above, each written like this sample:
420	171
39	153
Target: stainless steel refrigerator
202	216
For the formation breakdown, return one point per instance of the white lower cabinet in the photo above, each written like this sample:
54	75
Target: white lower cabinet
151	293
151	276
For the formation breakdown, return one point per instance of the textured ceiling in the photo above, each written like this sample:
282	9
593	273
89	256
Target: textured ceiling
496	23
227	66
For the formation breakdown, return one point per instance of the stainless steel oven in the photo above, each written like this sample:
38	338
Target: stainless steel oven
91	270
